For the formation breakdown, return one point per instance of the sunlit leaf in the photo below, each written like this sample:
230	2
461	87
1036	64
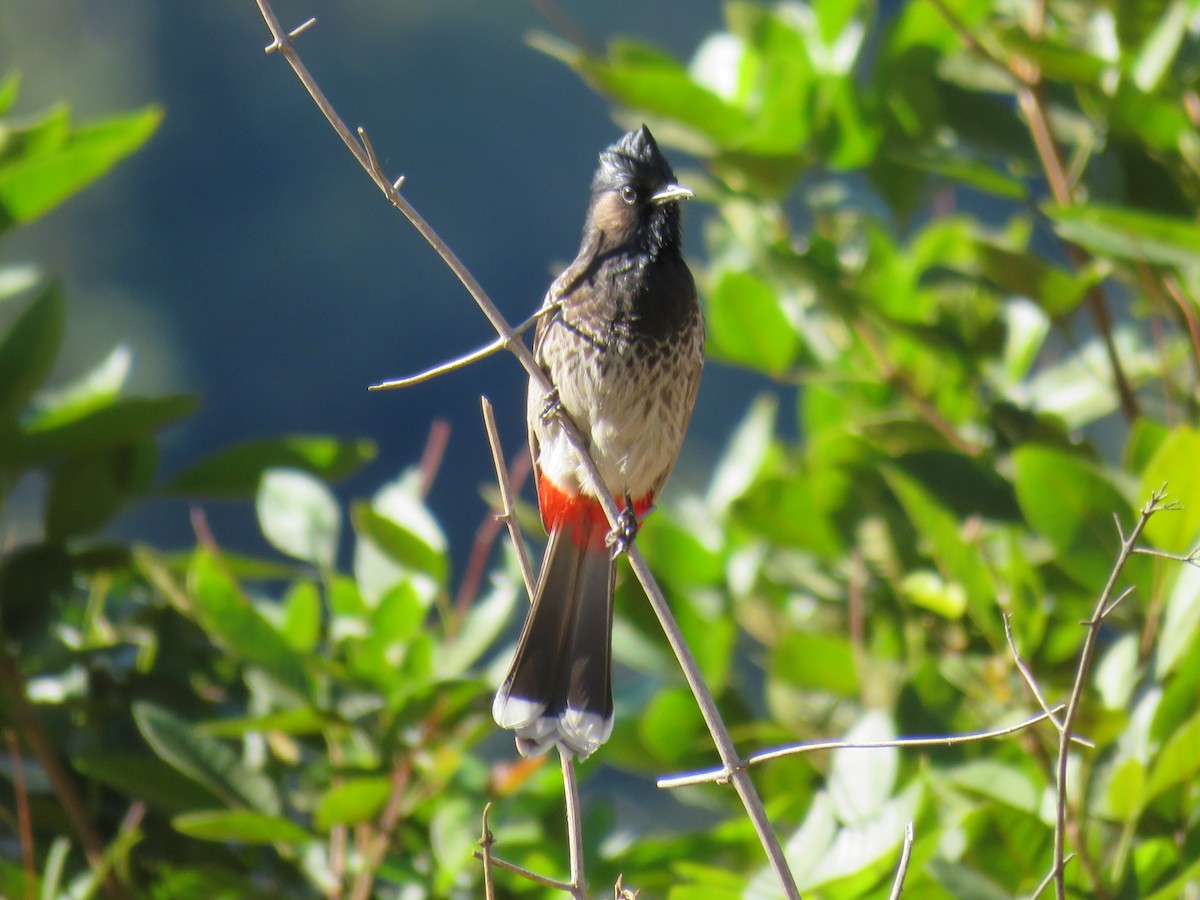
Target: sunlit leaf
240	828
1072	504
205	759
233	622
299	516
55	161
1129	234
354	800
747	325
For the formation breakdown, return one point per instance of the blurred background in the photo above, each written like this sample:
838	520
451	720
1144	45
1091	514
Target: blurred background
245	257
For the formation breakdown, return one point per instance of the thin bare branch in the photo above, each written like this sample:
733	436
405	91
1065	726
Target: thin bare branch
1045	882
1192	558
24	828
486	839
902	868
29	726
720	775
452	365
1031	682
1104	604
508	513
704	699
498	863
574	826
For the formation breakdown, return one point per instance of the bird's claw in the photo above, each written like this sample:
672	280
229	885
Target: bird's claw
551	406
619	539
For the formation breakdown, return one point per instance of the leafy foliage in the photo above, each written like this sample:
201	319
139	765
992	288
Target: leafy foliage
989	342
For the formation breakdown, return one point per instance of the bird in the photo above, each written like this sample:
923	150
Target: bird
620	337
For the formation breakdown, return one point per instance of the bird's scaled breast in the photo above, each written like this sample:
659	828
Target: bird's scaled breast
632	398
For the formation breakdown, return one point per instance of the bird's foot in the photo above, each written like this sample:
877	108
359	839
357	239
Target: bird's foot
551	406
619	539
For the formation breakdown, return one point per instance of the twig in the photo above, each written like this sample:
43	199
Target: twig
1104	604
574	826
708	708
375	851
460	362
902	868
1045	882
433	454
508	513
948	740
1192	558
23	825
1031	682
30	728
486	839
564	886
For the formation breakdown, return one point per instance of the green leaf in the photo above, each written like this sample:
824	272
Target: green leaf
230	619
86	491
1178	761
1180	622
927	590
403	545
747	324
808	659
747	453
47	162
302	617
451	837
34	581
143	776
1174	464
354	800
121	422
1129	234
299	516
861	781
235	473
670	725
240	828
205	759
1126	790
28	351
960	562
1002	782
1072	504
99	387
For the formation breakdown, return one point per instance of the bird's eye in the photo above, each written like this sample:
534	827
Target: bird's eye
629	194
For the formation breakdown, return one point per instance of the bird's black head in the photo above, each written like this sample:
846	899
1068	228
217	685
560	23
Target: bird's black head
635	198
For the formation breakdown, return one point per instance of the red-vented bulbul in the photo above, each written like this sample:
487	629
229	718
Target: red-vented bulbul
621	338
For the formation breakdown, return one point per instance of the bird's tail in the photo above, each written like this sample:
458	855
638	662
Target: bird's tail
559	689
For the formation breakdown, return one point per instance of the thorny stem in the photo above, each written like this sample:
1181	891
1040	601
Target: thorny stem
730	759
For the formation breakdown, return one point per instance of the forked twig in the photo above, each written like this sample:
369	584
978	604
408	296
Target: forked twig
1104	605
282	43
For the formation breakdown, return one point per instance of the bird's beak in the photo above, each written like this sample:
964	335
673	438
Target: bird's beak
672	193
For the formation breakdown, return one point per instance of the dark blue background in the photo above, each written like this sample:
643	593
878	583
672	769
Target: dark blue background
244	255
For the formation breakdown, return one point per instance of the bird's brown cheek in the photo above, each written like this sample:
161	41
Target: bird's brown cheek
612	215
